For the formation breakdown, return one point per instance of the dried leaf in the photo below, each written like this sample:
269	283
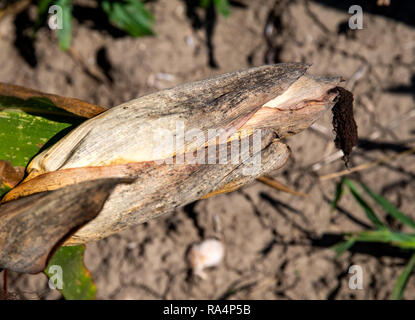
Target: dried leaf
32	226
279	100
72	105
125	134
9	175
279	186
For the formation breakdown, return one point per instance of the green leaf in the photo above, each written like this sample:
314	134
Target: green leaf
43	5
384	236
343	246
338	195
22	135
27	125
42	12
130	16
398	239
389	207
204	3
365	206
223	7
403	240
64	34
77	281
400	285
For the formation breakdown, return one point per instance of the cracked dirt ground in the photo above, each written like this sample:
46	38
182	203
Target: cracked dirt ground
277	244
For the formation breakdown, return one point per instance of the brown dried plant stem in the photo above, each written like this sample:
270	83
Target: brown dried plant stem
14	8
366	165
279	186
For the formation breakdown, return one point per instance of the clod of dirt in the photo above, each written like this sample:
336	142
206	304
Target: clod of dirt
344	124
9	296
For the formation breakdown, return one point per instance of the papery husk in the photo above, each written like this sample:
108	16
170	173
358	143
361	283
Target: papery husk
118	142
32	227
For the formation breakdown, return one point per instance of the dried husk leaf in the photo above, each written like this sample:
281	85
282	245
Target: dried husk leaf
124	134
72	105
280	100
31	227
10	175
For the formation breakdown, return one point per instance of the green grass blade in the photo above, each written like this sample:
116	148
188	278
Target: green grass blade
65	34
397	239
389	207
204	3
130	16
365	206
338	195
42	13
343	246
383	236
401	237
400	285
223	7
403	240
43	6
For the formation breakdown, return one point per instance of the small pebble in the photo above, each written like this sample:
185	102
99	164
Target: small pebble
208	253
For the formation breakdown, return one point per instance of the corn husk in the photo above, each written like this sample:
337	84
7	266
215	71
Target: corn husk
275	100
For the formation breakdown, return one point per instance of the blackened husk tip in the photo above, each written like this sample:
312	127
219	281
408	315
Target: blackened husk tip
344	124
